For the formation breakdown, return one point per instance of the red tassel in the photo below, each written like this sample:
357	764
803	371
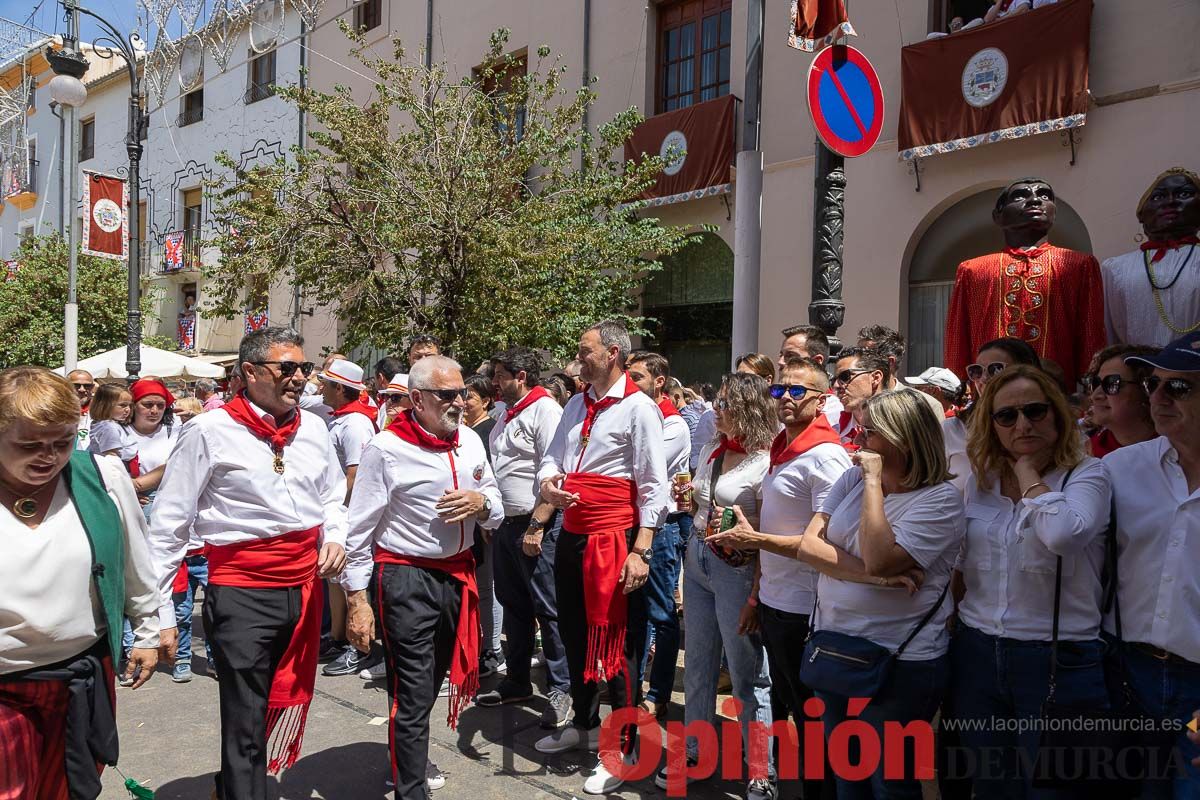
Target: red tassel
605	656
460	697
284	741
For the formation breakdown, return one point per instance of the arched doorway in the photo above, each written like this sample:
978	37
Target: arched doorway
963	231
689	306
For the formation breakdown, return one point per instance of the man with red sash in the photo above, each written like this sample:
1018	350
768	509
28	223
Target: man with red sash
1048	296
607	469
807	458
651	371
423	484
259	483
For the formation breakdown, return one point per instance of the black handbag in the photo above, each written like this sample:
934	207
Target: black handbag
852	666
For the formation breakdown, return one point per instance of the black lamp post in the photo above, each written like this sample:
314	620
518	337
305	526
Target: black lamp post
72	65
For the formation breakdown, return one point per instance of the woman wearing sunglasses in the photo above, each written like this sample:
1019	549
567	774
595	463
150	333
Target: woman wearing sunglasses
1036	507
1120	408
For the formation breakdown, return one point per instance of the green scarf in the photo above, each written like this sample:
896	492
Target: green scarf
106	535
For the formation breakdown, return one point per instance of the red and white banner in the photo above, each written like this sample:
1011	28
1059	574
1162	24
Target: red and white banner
105	216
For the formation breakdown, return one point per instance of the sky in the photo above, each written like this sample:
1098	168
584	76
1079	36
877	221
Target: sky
47	15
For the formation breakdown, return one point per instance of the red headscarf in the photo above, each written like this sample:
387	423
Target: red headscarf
144	388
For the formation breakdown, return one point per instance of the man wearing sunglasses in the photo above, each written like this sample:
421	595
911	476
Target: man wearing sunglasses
807	341
860	374
1156	497
258	482
422	486
84	385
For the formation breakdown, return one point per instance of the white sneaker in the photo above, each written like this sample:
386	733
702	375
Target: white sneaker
569	738
538	660
601	781
760	789
375	673
434	778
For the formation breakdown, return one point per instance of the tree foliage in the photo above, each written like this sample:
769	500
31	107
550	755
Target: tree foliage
33	298
477	209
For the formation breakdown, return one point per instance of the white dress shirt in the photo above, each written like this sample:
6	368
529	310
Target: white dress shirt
1008	561
626	442
518	448
221	480
928	524
833	409
394	505
350	434
1158	541
1130	311
677	443
791	495
49	609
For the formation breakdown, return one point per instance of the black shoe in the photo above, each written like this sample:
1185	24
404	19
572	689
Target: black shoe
505	692
330	650
350	662
492	663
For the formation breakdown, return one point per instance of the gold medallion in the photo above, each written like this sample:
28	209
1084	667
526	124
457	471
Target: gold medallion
25	508
279	463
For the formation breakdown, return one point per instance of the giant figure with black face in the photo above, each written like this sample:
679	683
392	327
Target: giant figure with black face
1152	295
1048	296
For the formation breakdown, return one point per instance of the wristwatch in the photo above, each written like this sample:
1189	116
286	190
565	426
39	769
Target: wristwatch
645	554
536	526
487	506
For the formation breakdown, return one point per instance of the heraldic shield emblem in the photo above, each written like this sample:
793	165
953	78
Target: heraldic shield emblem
984	77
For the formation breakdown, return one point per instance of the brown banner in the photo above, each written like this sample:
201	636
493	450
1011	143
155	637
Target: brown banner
704	133
1016	77
105	220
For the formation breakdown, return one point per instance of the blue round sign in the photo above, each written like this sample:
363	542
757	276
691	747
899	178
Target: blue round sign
845	99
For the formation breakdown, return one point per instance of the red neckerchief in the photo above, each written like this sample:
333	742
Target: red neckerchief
278	436
819	431
726	445
84	409
410	431
848	430
535	394
594	407
667	407
1160	248
358	406
1032	254
1102	443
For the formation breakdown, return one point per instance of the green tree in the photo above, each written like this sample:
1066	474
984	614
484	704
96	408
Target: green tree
32	299
475	209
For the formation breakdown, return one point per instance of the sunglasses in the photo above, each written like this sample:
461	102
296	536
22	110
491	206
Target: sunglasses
847	375
1007	417
84	385
394	399
1174	388
976	371
1111	384
864	432
288	368
445	395
794	391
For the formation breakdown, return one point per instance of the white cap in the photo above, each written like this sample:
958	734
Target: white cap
940	377
397	385
347	373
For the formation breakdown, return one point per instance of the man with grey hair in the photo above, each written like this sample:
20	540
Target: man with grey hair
606	467
207	392
85	386
258	483
422	486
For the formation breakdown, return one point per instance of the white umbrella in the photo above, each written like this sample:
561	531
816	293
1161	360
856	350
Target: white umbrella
162	363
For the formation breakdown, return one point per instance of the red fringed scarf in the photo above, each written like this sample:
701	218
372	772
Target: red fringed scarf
278	562
535	394
819	431
358	406
1162	248
726	445
667	407
278	436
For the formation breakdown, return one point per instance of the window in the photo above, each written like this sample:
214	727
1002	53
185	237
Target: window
261	78
693	55
26	232
368	14
32	168
192	200
499	85
192	109
87	139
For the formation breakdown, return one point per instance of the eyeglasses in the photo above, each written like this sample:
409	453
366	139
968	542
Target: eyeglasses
84	385
1007	417
1111	384
445	395
847	375
794	391
976	371
864	432
394	399
1174	388
288	368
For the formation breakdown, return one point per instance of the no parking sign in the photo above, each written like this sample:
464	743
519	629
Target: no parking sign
845	100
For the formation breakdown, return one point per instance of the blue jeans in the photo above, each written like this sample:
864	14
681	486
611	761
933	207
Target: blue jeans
714	594
997	678
663	630
1167	690
912	692
197	567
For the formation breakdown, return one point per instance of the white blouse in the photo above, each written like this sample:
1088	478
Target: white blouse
740	486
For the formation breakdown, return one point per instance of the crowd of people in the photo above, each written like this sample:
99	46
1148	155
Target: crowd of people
819	533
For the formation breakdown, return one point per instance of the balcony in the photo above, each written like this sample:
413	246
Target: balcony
258	92
705	134
178	254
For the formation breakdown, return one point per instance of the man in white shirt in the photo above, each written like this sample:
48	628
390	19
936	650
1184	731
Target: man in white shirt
809	341
607	469
85	386
524	545
258	482
1156	499
422	486
651	372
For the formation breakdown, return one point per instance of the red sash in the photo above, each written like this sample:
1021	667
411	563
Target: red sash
535	394
358	406
606	510
819	431
667	407
1162	248
278	562
464	664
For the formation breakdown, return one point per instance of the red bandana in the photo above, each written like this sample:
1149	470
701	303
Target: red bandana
358	406
594	407
1160	248
410	431
667	407
819	431
1032	254
848	431
727	444
1102	443
278	436
535	394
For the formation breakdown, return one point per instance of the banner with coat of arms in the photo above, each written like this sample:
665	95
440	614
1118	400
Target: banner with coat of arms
1015	77
105	216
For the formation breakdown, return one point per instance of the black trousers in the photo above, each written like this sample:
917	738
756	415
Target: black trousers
419	613
572	624
250	630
